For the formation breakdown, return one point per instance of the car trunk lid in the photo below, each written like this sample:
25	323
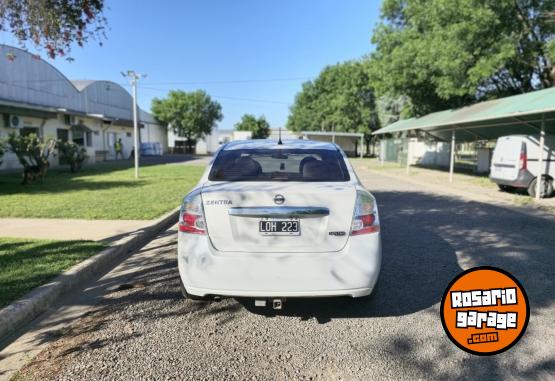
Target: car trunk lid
234	210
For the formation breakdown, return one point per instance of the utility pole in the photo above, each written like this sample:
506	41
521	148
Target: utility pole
133	78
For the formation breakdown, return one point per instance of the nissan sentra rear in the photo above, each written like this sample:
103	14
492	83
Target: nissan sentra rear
277	220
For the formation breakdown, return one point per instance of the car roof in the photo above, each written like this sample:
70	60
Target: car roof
273	144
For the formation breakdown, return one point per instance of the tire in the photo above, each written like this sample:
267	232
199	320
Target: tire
506	188
546	187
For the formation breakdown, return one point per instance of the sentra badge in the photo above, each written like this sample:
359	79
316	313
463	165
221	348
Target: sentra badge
218	202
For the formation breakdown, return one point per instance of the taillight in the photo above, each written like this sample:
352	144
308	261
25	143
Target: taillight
365	219
191	216
523	160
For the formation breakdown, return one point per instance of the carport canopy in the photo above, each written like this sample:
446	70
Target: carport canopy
518	114
525	114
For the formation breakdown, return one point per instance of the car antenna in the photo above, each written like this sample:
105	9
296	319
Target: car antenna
279	140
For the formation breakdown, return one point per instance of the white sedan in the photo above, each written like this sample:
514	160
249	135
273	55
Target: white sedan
272	220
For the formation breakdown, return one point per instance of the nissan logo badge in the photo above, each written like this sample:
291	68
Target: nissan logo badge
279	199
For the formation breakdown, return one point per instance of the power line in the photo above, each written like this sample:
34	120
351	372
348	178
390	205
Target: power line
226	97
213	82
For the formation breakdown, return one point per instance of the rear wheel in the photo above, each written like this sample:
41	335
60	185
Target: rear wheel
546	187
506	188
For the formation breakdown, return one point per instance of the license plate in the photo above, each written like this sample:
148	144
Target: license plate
279	226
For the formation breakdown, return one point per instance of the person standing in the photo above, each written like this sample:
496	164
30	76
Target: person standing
118	146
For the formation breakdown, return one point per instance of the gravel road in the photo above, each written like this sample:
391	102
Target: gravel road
145	330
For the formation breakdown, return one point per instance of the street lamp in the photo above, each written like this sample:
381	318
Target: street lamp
133	78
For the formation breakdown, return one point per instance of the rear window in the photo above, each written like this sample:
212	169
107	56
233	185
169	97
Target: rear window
279	165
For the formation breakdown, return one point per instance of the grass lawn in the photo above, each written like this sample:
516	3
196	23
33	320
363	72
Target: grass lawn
26	264
102	191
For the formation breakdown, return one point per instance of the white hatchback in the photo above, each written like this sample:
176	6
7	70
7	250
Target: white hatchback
272	220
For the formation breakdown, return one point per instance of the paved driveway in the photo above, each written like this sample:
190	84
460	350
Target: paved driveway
143	329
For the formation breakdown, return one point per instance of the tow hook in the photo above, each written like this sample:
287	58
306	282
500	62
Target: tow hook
277	304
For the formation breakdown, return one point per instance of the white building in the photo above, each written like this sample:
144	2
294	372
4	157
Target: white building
36	98
285	134
226	136
207	145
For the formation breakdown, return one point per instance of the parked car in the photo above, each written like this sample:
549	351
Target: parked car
272	220
515	164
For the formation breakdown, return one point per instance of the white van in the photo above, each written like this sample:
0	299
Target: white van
515	163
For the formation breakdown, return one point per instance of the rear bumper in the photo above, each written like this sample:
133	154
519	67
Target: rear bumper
522	180
352	271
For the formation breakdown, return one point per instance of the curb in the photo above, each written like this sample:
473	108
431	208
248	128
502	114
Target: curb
37	301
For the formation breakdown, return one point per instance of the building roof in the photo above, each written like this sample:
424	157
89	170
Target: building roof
29	82
81	84
273	144
333	133
518	114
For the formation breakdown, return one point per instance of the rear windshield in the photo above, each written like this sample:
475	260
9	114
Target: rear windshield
279	165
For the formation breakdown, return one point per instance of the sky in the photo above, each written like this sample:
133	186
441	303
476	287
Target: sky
252	56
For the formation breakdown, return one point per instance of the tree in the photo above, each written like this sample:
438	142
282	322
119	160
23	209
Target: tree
53	24
443	53
191	115
259	127
1	151
32	152
71	154
340	99
391	109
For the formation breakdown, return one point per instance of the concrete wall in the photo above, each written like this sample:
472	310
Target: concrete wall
432	154
285	134
347	143
208	145
155	133
101	138
428	154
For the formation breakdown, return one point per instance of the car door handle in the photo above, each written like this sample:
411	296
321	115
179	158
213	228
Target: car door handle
280	211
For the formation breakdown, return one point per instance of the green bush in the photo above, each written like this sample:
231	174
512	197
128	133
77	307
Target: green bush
30	149
32	153
72	155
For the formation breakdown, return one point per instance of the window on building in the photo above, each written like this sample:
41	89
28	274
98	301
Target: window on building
78	137
62	134
25	131
88	136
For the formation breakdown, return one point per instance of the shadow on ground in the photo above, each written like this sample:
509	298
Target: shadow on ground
427	241
425	237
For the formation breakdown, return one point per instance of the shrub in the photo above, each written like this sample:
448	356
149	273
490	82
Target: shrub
72	155
32	153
